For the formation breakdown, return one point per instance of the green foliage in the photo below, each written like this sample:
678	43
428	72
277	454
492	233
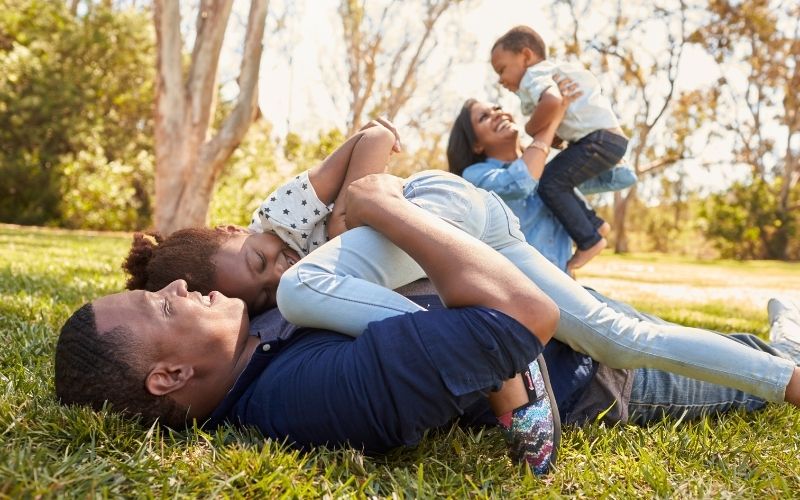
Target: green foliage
256	168
98	194
306	154
747	222
49	450
76	100
251	174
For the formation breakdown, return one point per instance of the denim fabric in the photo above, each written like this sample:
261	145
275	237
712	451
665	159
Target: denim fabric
594	154
657	394
518	189
348	282
620	177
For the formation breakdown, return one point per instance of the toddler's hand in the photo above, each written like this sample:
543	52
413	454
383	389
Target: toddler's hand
368	195
383	122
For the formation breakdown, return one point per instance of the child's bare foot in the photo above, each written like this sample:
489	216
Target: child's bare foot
582	257
604	229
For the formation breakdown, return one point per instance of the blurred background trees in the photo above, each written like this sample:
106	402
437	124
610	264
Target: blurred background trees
76	126
80	80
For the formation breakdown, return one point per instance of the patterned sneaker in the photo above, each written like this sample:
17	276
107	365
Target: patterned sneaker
533	430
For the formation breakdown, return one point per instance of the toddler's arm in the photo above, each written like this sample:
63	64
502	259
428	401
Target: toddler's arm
547	111
534	157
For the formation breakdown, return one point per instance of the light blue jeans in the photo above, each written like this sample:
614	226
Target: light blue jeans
657	394
347	283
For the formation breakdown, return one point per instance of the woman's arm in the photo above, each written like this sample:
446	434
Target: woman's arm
535	155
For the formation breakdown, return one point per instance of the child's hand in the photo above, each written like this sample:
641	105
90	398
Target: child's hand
383	122
367	196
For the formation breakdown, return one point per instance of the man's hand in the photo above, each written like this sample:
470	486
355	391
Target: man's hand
368	196
383	122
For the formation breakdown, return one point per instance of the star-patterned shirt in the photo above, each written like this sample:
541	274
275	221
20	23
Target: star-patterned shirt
295	214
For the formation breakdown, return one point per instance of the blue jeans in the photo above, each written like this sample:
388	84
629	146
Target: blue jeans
589	157
657	394
348	282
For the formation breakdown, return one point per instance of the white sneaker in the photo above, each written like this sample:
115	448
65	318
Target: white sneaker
784	319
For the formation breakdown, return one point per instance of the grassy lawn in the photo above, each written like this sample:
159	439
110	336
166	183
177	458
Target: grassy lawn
50	450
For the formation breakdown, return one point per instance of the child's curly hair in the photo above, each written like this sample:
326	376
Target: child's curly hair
155	261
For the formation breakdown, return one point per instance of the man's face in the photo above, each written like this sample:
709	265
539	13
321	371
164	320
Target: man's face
249	267
509	66
209	332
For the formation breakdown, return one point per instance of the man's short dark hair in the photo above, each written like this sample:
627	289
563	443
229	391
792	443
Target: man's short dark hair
93	367
520	37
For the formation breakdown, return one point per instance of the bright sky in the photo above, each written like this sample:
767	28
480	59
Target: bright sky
302	97
302	90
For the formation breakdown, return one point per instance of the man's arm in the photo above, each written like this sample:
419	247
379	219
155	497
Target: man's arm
464	270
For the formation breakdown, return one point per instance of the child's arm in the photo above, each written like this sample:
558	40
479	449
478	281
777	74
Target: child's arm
366	152
547	110
535	155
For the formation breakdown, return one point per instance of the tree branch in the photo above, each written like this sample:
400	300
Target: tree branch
170	107
212	19
237	122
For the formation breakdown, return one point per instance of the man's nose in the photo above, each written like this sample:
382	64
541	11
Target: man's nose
179	287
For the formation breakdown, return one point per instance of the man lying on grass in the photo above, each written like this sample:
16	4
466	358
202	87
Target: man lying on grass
172	354
169	355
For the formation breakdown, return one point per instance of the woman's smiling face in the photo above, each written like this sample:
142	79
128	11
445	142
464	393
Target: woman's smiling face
492	126
250	266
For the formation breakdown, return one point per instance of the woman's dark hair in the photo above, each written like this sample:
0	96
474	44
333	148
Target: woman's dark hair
460	147
154	261
94	368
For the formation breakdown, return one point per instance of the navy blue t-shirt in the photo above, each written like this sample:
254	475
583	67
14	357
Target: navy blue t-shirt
384	389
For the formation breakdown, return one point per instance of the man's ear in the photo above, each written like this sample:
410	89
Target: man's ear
166	378
232	229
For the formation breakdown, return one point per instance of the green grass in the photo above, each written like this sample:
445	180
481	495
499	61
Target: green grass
48	450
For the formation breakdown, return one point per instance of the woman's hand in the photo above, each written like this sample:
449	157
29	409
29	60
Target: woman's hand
383	122
570	92
367	196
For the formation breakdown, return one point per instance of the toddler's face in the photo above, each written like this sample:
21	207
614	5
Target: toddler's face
509	66
249	266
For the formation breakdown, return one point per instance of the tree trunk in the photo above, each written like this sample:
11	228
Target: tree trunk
188	162
620	211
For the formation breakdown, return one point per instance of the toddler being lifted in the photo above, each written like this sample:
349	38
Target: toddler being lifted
596	142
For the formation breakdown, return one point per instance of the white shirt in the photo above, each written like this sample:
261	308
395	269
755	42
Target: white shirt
295	214
590	112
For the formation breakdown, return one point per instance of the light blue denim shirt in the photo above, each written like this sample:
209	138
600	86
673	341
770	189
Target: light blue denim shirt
514	184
